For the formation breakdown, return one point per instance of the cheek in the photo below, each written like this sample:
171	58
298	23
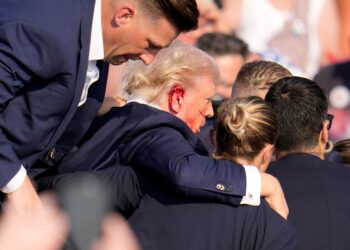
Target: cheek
192	119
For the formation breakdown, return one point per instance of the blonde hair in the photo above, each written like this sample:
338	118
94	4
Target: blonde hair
179	64
244	127
258	75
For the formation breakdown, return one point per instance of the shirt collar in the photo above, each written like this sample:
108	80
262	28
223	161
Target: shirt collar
96	41
139	100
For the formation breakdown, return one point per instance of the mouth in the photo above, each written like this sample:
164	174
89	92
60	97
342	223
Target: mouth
119	60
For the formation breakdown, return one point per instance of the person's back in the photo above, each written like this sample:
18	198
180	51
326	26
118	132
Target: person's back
315	188
321	213
165	221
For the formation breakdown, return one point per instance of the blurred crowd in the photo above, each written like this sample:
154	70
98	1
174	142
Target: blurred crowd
310	38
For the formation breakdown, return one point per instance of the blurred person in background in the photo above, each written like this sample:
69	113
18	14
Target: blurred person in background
344	16
335	79
229	53
210	20
341	152
298	34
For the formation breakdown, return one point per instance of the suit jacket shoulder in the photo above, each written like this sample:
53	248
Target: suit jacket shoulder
315	191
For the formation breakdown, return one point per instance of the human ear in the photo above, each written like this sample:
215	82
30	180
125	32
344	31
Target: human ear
324	133
175	99
266	152
123	14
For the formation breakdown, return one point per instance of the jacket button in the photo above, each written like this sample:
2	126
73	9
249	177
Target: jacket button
220	187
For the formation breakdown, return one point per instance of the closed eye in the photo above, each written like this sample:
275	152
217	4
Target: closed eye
152	48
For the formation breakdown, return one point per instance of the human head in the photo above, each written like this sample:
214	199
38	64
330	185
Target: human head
209	21
255	78
301	109
137	29
229	52
342	148
181	80
245	131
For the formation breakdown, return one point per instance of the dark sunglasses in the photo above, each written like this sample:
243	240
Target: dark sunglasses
330	118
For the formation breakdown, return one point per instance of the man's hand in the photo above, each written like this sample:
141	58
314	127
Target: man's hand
110	102
272	191
25	200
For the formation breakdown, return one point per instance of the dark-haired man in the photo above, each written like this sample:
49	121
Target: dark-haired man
316	190
50	54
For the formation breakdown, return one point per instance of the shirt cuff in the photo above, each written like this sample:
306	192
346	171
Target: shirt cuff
253	186
16	182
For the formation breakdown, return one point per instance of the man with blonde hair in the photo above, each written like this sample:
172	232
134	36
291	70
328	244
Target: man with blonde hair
255	78
155	133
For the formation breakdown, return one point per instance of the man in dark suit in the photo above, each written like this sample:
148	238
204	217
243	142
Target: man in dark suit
157	134
50	54
316	190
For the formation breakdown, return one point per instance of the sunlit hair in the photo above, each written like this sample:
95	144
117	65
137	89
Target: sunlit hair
177	65
244	127
258	75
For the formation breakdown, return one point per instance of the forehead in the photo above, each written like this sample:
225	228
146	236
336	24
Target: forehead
203	86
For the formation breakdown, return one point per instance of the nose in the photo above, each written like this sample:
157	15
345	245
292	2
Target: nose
210	111
147	58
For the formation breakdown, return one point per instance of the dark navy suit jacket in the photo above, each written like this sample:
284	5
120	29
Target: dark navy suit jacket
164	221
44	47
317	193
163	146
164	153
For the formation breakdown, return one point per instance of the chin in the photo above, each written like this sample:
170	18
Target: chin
196	131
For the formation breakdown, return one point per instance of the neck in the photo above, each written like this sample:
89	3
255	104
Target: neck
314	152
242	161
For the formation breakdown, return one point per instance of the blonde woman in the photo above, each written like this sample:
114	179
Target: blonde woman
245	132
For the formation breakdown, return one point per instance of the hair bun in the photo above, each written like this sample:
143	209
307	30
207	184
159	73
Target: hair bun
236	119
